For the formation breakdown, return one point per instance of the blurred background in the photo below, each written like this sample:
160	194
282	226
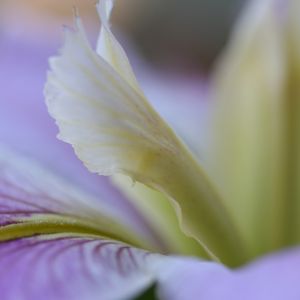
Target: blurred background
185	35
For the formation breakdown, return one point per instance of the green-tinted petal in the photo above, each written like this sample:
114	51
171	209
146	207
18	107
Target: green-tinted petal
256	127
160	214
110	49
113	129
291	22
77	267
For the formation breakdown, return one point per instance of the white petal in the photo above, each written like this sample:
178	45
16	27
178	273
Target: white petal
110	49
113	129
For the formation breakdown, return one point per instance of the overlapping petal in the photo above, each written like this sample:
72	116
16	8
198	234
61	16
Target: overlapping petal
57	241
77	267
158	212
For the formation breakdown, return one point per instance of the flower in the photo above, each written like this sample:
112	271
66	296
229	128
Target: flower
79	247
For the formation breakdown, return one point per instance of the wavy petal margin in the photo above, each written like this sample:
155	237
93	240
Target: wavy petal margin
158	212
114	129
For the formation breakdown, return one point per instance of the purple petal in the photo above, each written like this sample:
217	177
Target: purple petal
34	200
273	277
59	267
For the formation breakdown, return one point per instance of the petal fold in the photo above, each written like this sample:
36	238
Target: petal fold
113	129
71	267
109	48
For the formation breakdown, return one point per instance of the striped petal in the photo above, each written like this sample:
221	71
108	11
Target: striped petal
70	267
76	267
272	277
34	201
109	48
59	242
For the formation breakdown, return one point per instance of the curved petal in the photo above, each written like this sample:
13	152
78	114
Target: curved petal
273	277
187	278
114	129
26	127
160	214
77	267
71	267
64	255
110	49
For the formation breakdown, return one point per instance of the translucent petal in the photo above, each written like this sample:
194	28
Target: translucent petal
113	129
110	49
59	242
